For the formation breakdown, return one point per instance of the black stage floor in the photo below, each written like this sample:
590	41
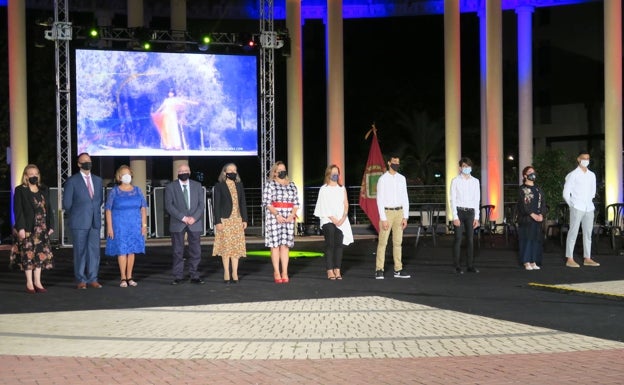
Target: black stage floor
501	290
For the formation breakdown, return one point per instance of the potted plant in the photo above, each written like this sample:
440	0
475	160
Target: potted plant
552	166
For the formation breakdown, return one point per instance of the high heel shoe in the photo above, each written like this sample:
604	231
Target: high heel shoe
277	277
330	275
285	279
337	274
41	289
30	291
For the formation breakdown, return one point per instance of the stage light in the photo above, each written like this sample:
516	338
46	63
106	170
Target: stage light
94	33
146	45
204	43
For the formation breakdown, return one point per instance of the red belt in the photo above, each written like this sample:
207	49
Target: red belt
283	205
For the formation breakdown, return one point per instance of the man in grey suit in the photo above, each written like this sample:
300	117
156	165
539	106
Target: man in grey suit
185	203
82	202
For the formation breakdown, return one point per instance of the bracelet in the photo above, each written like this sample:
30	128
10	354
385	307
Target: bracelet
144	225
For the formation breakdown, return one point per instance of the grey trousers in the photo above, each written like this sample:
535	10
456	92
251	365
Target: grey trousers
584	219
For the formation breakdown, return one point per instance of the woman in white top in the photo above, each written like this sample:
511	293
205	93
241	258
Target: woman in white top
332	208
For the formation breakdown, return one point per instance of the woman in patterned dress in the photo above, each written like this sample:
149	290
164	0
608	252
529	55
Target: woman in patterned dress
281	200
33	225
126	224
230	215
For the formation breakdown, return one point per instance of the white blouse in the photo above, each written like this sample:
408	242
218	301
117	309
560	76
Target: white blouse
331	203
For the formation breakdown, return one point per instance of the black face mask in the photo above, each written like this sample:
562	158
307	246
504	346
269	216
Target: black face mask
33	180
532	177
85	166
184	177
395	166
231	175
282	174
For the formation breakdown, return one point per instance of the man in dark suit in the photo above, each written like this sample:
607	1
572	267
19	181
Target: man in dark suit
185	203
82	202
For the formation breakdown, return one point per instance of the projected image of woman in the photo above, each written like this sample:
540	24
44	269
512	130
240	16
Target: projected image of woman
170	121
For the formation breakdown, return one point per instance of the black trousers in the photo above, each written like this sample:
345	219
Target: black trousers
466	219
333	246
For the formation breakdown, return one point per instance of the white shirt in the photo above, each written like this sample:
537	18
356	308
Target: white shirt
579	189
331	203
465	192
392	192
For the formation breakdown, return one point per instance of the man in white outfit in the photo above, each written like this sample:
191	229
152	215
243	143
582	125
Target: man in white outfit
578	192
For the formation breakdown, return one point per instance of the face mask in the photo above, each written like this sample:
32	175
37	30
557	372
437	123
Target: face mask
585	162
531	177
395	166
85	166
126	178
282	174
184	176
33	180
334	177
467	170
231	175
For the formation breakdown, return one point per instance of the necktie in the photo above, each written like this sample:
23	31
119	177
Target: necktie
89	186
186	196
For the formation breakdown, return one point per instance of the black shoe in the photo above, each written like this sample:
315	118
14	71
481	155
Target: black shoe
459	270
235	281
226	281
176	282
379	274
472	270
197	281
401	274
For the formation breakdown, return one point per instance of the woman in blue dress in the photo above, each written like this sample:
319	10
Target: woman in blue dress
126	224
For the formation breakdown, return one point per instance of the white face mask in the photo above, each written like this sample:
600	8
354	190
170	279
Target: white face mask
467	170
126	178
584	162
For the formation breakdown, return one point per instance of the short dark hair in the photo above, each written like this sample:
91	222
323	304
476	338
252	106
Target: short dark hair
582	152
393	155
83	153
466	160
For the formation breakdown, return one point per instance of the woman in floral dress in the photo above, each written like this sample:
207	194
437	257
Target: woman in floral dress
33	225
281	199
230	215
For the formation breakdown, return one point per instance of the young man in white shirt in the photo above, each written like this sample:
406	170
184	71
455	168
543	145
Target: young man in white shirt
393	206
465	198
579	191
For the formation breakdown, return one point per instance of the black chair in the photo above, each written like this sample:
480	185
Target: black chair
614	222
510	221
429	222
486	226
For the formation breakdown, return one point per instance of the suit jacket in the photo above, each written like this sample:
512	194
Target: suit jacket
84	213
176	205
222	201
24	210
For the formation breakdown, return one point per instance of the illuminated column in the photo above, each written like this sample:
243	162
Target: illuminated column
613	100
525	89
294	87
18	106
483	102
452	93
137	164
494	109
335	85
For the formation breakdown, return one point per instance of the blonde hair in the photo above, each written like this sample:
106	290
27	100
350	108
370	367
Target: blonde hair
25	174
328	172
273	171
119	170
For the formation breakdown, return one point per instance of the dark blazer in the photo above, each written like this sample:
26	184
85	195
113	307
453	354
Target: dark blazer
24	209
176	205
222	201
84	212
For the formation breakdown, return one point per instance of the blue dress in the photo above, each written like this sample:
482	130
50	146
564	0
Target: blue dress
125	207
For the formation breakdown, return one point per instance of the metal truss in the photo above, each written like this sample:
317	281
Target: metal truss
61	34
267	90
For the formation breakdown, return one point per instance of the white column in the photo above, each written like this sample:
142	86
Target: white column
294	87
18	105
525	88
613	100
494	109
335	85
452	93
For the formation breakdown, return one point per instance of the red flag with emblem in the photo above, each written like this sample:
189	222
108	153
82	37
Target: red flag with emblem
375	167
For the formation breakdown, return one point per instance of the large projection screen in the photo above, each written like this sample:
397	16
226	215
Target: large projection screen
135	103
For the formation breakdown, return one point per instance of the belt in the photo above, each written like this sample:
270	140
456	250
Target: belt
465	209
283	205
393	208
